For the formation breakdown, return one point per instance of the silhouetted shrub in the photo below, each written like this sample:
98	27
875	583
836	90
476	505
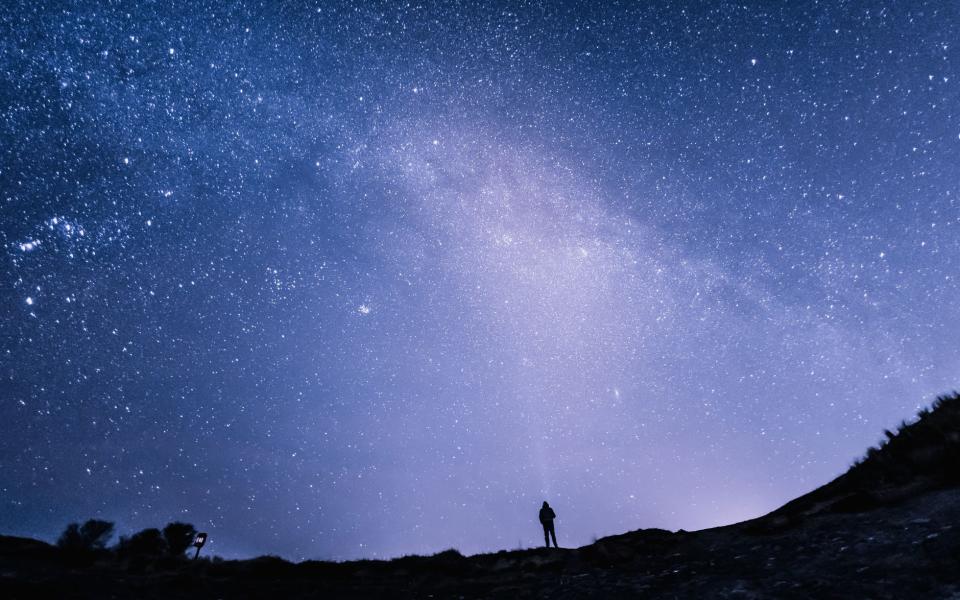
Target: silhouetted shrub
70	539
82	544
146	543
92	535
178	537
927	449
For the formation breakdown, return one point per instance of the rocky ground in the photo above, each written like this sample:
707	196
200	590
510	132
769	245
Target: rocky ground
910	549
888	528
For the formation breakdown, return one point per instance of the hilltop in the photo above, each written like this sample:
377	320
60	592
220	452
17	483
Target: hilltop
887	528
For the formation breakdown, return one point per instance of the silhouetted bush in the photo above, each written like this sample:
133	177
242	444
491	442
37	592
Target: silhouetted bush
70	540
927	449
92	535
82	544
145	544
178	537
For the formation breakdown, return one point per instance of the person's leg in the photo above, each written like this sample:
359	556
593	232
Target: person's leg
546	535
553	534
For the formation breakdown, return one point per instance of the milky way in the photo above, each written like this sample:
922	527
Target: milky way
338	281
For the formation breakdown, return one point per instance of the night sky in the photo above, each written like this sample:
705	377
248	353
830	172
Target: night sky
349	280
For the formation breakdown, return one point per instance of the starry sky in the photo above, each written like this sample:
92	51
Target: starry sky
359	279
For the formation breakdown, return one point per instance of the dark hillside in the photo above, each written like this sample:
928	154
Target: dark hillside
887	528
920	456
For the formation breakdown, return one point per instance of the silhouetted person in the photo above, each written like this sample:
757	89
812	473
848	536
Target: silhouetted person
546	519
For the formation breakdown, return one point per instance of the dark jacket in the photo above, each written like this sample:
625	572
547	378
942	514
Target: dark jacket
547	515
